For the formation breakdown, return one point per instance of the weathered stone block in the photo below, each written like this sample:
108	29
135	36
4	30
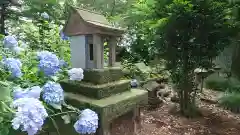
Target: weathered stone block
96	91
109	108
100	76
126	124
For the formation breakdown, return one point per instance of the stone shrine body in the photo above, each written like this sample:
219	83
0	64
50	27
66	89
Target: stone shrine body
87	31
102	89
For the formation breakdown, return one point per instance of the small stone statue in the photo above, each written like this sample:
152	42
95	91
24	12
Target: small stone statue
134	83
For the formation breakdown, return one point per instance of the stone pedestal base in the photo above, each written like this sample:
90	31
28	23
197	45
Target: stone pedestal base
119	114
126	124
123	125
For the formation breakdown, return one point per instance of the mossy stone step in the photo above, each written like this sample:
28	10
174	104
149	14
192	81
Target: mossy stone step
96	91
111	107
101	76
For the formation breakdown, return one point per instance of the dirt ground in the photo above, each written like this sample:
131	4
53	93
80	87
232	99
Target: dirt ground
215	121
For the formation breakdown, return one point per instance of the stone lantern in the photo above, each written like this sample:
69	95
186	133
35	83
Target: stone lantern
217	69
201	74
103	89
87	30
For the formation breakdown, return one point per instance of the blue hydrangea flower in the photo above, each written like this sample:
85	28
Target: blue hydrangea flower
49	68
30	115
63	36
63	63
134	83
18	50
53	93
87	122
14	66
46	55
75	74
49	63
10	42
33	92
45	15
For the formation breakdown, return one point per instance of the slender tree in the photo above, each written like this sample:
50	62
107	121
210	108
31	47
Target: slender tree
4	4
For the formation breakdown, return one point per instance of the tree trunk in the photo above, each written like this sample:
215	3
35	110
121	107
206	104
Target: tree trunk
187	107
235	59
2	19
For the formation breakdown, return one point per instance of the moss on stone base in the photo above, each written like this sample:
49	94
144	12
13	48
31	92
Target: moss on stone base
101	76
96	91
111	107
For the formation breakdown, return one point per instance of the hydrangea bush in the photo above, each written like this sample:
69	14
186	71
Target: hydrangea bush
34	78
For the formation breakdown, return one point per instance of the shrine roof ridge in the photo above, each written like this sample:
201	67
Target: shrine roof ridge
84	21
88	10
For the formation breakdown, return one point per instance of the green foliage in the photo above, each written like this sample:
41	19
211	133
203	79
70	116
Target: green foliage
141	33
187	34
107	7
142	72
219	83
231	101
48	39
29	34
131	71
31	76
216	82
35	7
5	111
5	91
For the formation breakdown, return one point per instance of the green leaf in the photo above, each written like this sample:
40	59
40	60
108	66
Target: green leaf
4	130
5	91
55	125
55	78
5	107
1	118
66	119
56	106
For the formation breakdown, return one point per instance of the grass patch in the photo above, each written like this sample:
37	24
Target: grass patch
216	82
231	102
219	83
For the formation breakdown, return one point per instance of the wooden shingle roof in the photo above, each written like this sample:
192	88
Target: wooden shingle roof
97	22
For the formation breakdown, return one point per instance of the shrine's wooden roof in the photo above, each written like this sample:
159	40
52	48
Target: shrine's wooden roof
95	18
92	21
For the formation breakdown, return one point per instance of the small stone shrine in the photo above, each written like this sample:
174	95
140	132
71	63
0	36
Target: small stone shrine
102	88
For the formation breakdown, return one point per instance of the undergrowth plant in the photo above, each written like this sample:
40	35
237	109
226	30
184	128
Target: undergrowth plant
231	101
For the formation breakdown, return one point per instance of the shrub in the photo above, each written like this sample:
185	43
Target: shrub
231	101
220	83
217	83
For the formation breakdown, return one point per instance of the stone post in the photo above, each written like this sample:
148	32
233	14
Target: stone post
112	51
78	53
104	128
97	51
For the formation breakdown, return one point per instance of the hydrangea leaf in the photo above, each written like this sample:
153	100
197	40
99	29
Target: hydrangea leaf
70	107
54	78
4	130
56	106
66	119
5	91
55	125
1	119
